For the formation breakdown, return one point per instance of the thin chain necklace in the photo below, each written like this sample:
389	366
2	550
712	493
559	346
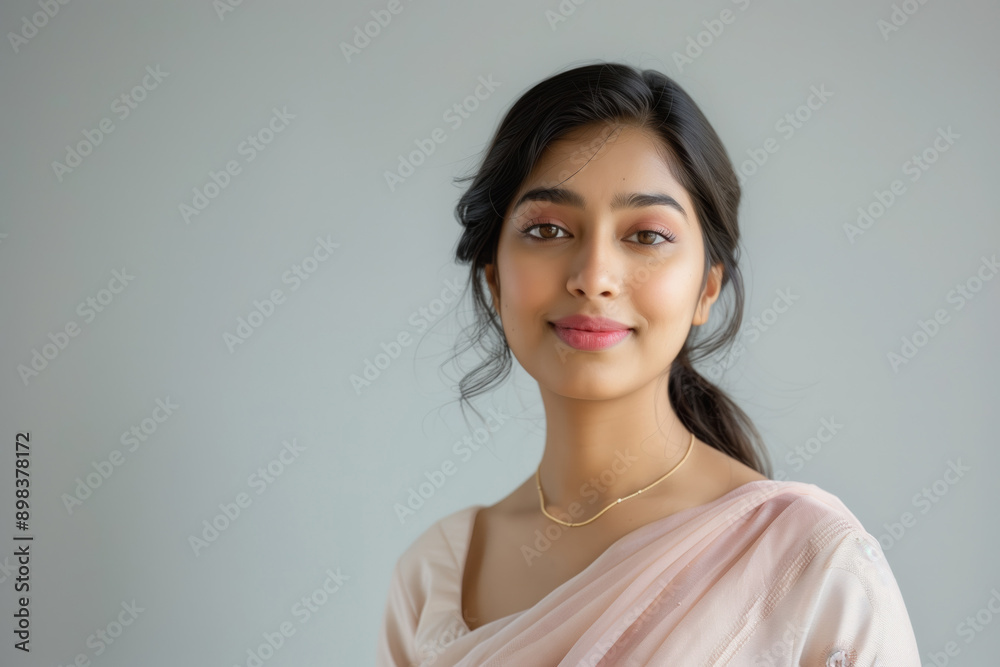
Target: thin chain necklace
541	496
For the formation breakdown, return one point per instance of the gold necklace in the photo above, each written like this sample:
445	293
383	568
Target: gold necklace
541	496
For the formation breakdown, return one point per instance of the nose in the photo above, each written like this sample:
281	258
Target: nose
596	267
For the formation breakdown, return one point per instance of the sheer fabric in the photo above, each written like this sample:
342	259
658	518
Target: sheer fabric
772	573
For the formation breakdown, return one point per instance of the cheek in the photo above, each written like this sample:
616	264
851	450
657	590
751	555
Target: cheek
667	295
526	286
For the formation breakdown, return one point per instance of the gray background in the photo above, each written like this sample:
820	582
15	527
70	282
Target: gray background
323	175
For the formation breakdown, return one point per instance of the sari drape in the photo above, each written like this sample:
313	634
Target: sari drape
772	573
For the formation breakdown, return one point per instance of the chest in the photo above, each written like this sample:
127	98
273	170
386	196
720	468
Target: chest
511	566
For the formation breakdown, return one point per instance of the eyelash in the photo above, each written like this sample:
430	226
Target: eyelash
524	231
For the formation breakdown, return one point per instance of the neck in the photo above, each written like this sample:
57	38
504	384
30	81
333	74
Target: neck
599	451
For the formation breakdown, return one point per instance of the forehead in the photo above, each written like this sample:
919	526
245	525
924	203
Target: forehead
632	152
605	159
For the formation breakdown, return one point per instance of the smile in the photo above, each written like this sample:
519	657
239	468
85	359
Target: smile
582	339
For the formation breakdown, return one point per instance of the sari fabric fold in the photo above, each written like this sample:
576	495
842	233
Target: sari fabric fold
772	573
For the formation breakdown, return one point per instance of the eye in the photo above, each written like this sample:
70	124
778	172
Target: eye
649	234
548	226
553	230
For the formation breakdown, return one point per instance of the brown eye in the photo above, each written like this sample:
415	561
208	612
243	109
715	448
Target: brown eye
551	233
650	235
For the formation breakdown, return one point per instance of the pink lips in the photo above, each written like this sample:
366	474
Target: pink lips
590	333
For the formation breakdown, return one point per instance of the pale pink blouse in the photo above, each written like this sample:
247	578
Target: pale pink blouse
772	573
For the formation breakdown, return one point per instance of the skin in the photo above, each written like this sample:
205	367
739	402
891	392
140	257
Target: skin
614	263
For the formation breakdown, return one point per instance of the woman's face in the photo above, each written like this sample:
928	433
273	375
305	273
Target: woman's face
609	234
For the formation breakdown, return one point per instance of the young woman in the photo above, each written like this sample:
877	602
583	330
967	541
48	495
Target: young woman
603	222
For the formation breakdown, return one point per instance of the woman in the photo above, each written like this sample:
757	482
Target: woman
603	221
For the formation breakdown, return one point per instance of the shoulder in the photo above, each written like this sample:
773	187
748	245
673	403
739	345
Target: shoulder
424	571
797	519
845	582
801	502
810	529
823	578
814	528
441	545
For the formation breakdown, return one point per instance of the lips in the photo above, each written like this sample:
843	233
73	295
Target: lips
590	333
587	323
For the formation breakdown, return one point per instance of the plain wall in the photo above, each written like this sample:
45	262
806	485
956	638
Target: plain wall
339	123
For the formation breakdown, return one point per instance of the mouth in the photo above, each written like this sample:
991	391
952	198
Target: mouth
589	340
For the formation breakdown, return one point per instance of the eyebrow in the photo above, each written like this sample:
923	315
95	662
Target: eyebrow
620	200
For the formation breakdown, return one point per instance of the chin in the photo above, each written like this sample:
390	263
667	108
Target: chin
592	384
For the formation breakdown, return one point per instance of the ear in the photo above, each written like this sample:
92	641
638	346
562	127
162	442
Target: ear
494	285
713	286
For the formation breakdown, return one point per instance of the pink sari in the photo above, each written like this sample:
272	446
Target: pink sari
772	573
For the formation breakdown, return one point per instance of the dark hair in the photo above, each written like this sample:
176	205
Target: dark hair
619	94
